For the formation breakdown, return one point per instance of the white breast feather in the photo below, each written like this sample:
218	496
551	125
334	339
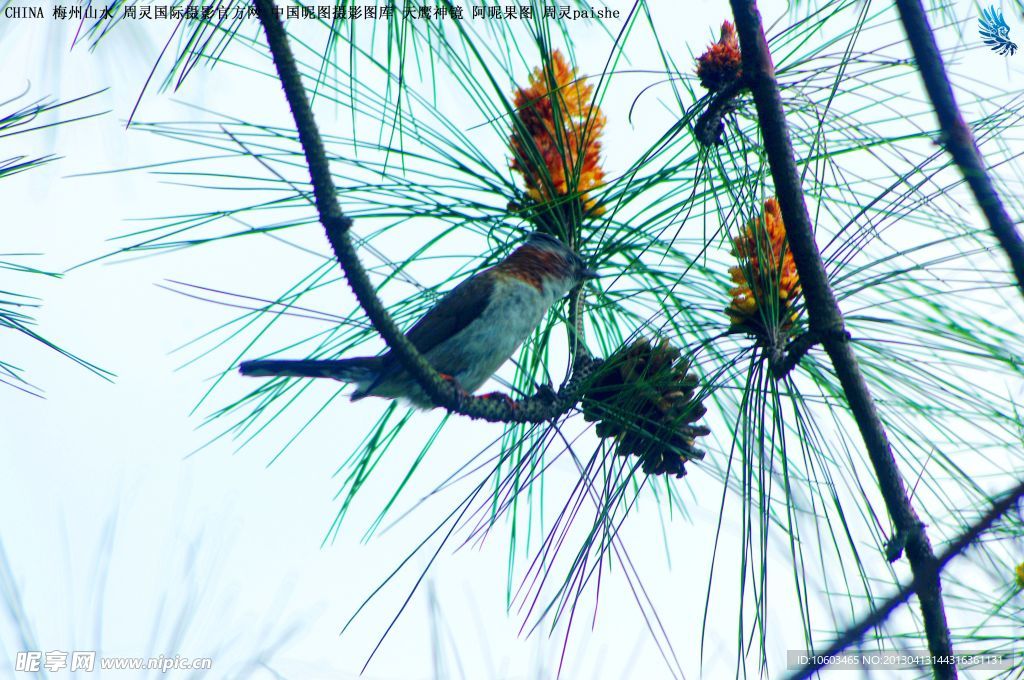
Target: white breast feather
514	310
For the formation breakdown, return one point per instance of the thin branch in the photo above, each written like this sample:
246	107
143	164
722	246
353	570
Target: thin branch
710	124
826	320
537	408
577	338
957	136
782	361
877	617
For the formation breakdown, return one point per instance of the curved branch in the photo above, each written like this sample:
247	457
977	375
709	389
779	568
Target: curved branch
826	320
710	124
535	409
880	614
957	136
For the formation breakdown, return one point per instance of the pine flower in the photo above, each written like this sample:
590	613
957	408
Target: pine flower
720	64
557	112
766	276
1019	576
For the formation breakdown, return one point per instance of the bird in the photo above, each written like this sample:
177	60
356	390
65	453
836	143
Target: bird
467	335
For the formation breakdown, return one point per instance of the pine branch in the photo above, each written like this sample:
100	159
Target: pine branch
877	617
826	320
540	407
957	136
782	361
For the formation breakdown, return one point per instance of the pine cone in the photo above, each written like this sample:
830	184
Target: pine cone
643	397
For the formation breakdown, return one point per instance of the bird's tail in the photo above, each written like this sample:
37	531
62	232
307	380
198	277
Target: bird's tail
357	370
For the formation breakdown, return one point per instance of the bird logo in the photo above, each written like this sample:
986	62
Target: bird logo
995	33
468	334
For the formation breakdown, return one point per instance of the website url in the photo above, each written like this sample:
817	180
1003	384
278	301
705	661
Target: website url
160	663
86	660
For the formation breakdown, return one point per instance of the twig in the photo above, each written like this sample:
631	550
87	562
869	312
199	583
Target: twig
877	617
537	408
783	361
956	135
827	320
710	124
577	338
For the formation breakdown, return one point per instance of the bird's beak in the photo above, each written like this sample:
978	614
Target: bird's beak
589	273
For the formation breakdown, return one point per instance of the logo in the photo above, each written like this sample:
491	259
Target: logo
994	31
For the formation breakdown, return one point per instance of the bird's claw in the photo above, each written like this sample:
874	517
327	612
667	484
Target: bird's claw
502	396
460	394
546	392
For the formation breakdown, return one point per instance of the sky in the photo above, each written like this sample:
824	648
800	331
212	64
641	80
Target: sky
126	531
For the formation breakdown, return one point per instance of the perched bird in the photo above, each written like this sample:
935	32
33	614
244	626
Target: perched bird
468	334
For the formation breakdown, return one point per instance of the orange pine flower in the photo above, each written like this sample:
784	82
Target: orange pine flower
720	64
568	143
765	259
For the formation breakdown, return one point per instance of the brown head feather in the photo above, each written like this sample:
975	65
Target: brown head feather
532	265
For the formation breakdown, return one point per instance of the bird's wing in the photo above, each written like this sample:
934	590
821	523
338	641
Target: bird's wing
456	310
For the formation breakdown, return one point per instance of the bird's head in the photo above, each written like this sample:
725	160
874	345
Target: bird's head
548	264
